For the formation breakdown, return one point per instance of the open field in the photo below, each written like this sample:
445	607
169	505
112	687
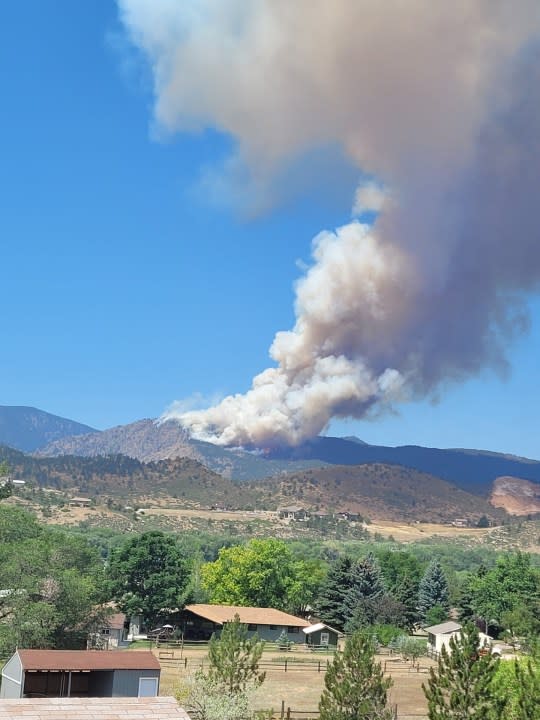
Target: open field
299	682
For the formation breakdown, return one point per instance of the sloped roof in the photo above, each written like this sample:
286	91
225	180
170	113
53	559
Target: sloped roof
444	628
88	660
319	626
116	621
119	708
248	615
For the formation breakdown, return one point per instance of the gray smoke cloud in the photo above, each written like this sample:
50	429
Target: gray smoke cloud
439	105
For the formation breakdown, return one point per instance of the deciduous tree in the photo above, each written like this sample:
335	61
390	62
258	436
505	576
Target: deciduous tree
148	574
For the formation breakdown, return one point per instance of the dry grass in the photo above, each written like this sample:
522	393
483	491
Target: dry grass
301	685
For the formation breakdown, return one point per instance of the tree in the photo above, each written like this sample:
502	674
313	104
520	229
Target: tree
6	486
366	589
513	584
354	685
262	573
433	590
330	603
518	683
406	592
462	687
234	658
52	583
148	575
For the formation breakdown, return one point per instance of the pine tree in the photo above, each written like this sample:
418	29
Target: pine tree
366	587
330	605
528	691
433	590
355	687
461	688
234	658
407	594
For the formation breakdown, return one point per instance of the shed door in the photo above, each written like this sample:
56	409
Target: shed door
325	638
148	687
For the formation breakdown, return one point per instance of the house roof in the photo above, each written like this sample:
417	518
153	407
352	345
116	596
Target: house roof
118	708
88	660
116	621
319	626
444	628
249	615
291	508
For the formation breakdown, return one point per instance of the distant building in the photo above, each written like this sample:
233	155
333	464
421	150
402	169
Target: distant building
200	622
322	635
439	636
80	502
292	512
460	522
113	635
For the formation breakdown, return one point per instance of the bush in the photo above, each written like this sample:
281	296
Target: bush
385	633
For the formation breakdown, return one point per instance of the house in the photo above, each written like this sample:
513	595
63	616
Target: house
144	708
439	636
292	512
321	634
80	502
460	522
200	622
113	635
80	673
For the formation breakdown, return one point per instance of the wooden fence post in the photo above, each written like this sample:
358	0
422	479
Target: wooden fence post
288	713
286	668
282	715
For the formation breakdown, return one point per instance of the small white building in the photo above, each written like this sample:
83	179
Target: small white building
439	636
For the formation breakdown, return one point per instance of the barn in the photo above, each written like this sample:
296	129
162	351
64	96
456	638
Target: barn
80	673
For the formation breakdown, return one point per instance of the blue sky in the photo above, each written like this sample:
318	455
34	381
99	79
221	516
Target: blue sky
123	289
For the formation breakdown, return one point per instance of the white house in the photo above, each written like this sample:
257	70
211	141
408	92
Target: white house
439	636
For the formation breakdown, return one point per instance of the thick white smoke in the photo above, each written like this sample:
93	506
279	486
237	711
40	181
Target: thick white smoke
439	103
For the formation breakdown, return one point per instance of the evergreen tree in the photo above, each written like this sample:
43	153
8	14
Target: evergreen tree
366	588
354	685
407	594
234	658
461	688
330	605
433	590
528	691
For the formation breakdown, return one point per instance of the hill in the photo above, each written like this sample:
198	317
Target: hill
27	428
124	477
378	491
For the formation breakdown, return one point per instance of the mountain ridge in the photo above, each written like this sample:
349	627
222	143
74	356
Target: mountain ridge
27	428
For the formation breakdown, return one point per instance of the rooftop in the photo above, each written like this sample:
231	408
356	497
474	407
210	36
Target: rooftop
248	615
88	660
443	628
128	708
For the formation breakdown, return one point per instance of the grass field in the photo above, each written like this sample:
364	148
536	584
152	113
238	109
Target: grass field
298	683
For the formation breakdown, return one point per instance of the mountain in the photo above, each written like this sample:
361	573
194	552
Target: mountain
516	496
377	491
471	470
27	428
150	441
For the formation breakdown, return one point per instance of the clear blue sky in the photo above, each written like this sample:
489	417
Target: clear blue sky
122	290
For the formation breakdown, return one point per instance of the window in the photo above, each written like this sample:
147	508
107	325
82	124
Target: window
252	626
292	629
273	627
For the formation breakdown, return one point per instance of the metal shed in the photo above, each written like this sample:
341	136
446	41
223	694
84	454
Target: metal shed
80	673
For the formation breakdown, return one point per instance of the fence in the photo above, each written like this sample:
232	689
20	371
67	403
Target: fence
167	660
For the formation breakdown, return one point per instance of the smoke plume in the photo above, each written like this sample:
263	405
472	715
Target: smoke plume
439	105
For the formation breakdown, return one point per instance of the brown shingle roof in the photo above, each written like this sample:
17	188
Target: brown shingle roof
156	708
88	660
248	615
